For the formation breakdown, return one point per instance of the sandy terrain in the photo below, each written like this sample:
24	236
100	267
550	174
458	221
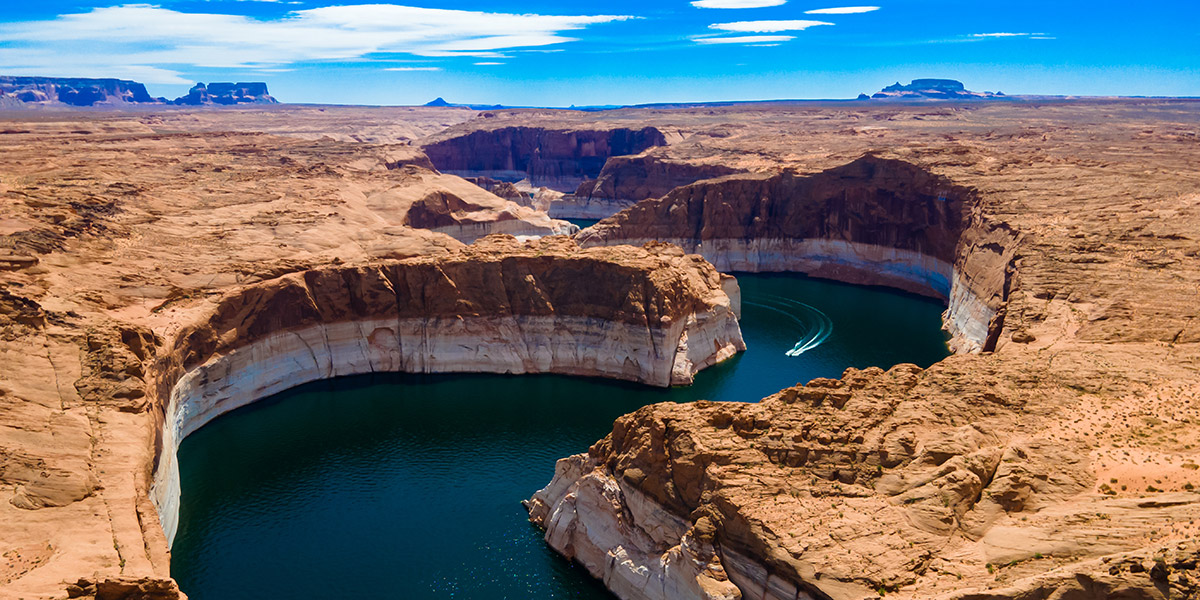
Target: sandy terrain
1061	461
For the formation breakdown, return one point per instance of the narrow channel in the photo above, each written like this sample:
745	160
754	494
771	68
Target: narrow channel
407	486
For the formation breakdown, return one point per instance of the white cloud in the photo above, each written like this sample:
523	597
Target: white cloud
488	64
737	3
413	69
844	10
138	73
157	40
746	39
766	26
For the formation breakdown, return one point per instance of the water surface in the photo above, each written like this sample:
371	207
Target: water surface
583	223
405	486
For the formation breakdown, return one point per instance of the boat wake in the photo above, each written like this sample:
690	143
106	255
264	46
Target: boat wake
815	327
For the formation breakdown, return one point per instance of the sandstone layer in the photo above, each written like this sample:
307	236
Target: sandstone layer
876	220
626	180
553	158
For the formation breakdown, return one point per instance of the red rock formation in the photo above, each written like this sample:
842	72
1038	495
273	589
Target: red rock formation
872	200
647	175
503	189
558	159
875	220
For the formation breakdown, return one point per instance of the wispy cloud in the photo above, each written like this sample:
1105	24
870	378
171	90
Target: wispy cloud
413	69
844	10
746	39
139	73
766	26
737	3
488	64
159	42
1004	35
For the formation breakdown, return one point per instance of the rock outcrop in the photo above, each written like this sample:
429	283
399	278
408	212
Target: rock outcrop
50	91
626	180
875	220
464	212
227	94
849	489
560	159
930	89
18	91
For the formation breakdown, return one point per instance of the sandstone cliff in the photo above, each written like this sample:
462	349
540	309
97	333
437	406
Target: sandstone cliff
554	158
874	220
18	91
227	94
930	89
625	180
652	316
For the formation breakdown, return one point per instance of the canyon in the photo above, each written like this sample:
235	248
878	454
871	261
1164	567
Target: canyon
158	270
560	159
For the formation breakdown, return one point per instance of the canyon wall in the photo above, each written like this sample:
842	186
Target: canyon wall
468	217
652	316
560	159
626	180
874	221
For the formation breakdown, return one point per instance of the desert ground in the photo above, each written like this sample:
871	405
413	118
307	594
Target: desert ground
1054	455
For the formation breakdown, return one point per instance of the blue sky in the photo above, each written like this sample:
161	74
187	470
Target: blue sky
543	53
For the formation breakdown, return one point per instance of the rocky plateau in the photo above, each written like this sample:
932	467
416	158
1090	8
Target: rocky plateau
157	270
31	92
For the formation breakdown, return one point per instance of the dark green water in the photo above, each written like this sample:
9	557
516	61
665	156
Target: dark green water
406	486
583	223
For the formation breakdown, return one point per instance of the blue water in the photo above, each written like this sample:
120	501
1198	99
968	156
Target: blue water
403	486
583	223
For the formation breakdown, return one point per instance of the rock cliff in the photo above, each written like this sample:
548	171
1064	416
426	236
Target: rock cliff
17	91
651	315
930	89
560	159
625	180
227	94
875	220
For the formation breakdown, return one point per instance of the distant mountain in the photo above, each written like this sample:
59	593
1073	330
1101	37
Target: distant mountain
441	103
930	89
227	94
17	92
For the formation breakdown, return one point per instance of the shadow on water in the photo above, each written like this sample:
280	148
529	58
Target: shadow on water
409	485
